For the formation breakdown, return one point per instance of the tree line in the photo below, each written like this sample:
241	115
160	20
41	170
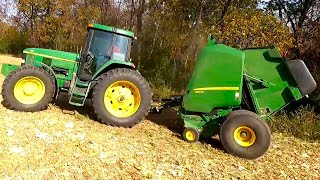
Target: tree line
170	32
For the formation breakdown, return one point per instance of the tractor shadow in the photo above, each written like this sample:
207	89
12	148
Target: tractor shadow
62	102
172	121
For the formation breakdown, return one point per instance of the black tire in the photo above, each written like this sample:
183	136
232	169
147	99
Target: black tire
25	71
193	136
116	75
247	112
249	120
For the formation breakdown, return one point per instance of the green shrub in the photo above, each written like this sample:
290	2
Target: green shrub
303	123
162	92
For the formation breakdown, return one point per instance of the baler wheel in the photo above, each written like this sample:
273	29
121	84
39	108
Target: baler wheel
28	88
191	135
245	134
121	97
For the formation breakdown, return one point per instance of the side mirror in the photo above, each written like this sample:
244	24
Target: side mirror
211	40
212	37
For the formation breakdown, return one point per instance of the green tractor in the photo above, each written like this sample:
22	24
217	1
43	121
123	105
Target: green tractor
102	71
233	93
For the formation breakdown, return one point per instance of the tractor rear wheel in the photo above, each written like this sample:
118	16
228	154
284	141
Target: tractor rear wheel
121	97
28	88
245	134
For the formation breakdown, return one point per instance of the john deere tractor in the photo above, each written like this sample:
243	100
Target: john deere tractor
102	71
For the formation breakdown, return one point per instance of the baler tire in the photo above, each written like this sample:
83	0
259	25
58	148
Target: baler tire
253	126
16	77
194	133
114	117
242	111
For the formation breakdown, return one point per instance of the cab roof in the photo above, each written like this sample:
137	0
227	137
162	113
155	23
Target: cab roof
111	29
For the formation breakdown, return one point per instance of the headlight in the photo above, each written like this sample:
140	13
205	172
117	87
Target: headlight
23	62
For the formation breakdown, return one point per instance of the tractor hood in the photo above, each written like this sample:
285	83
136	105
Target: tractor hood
52	54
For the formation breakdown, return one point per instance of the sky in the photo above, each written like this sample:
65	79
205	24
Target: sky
262	4
10	9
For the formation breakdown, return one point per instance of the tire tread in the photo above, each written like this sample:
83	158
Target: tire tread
7	93
99	88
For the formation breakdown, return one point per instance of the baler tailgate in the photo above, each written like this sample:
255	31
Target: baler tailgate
276	86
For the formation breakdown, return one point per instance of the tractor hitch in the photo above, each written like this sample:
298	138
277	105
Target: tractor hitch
159	104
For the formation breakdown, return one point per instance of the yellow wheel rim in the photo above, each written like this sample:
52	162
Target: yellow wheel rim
122	99
29	90
190	135
244	136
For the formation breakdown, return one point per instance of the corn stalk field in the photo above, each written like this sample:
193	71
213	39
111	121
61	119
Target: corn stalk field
66	142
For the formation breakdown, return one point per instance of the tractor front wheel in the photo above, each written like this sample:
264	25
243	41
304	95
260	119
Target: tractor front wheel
28	88
245	134
121	97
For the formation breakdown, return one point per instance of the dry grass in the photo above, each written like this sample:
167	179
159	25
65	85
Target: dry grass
303	123
54	145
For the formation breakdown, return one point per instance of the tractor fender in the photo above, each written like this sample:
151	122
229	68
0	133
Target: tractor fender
52	73
112	64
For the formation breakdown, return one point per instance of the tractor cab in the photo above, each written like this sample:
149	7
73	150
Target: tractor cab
102	44
105	48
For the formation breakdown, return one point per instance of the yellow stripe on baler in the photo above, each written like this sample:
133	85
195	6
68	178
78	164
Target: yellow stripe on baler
217	89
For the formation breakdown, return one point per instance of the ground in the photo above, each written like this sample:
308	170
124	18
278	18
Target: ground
66	142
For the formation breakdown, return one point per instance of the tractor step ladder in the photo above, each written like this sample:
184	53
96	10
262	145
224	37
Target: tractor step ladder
79	93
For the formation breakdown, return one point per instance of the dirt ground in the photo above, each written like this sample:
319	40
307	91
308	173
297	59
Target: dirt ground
65	142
